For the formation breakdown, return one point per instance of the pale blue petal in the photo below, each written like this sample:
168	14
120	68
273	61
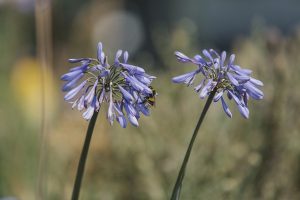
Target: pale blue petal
226	108
69	85
207	54
212	51
218	96
184	77
231	59
244	111
254	92
235	98
181	57
76	60
205	89
126	56
223	57
126	94
110	113
87	115
74	91
118	54
256	82
133	120
99	52
232	79
198	87
122	121
133	69
70	75
144	109
80	105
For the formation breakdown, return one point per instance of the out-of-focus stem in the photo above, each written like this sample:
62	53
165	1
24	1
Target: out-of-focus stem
44	54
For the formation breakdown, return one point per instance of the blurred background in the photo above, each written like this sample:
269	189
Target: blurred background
41	136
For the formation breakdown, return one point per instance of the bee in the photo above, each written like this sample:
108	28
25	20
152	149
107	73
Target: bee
150	99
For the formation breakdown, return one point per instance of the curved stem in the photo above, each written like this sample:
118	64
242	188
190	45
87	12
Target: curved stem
178	184
83	156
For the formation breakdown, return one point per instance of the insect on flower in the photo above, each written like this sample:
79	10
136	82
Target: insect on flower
125	87
151	98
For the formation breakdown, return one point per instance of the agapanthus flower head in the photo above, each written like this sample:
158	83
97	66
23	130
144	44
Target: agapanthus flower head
223	78
124	87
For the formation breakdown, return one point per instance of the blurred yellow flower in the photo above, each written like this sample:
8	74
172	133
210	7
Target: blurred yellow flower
26	83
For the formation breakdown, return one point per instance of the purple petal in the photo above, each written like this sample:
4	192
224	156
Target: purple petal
235	98
225	108
74	104
133	120
69	85
240	71
145	89
102	95
143	79
218	96
144	109
254	92
74	91
81	68
76	60
118	54
90	95
95	103
207	54
216	63
130	109
244	111
125	56
126	94
87	115
181	57
137	84
134	83
199	60
232	79
100	67
118	109
70	75
104	73
198	87
229	95
231	59
241	78
80	105
122	121
99	52
184	77
205	90
110	113
133	69
212	51
256	82
223	57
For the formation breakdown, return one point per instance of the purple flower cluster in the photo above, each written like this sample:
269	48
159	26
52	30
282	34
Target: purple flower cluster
223	78
123	86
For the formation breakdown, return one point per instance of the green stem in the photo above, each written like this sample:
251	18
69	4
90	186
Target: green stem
178	184
83	156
